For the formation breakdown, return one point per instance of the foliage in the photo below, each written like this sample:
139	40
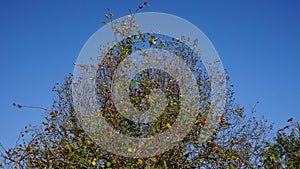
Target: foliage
284	151
61	141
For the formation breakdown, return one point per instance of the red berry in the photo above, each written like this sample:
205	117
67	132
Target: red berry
73	120
14	104
56	111
141	6
204	121
123	24
222	120
47	129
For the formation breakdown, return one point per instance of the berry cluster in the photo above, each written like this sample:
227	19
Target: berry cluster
144	4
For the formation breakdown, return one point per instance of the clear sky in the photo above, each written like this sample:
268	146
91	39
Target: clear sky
258	43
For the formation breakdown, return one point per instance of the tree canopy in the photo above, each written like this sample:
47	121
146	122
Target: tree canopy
238	141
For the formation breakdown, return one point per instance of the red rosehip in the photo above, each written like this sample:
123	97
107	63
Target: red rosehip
141	6
204	121
123	24
47	129
222	120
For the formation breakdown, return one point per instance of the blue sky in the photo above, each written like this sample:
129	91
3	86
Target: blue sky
258	43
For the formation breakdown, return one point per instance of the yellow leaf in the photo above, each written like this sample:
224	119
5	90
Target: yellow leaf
94	162
140	161
152	40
